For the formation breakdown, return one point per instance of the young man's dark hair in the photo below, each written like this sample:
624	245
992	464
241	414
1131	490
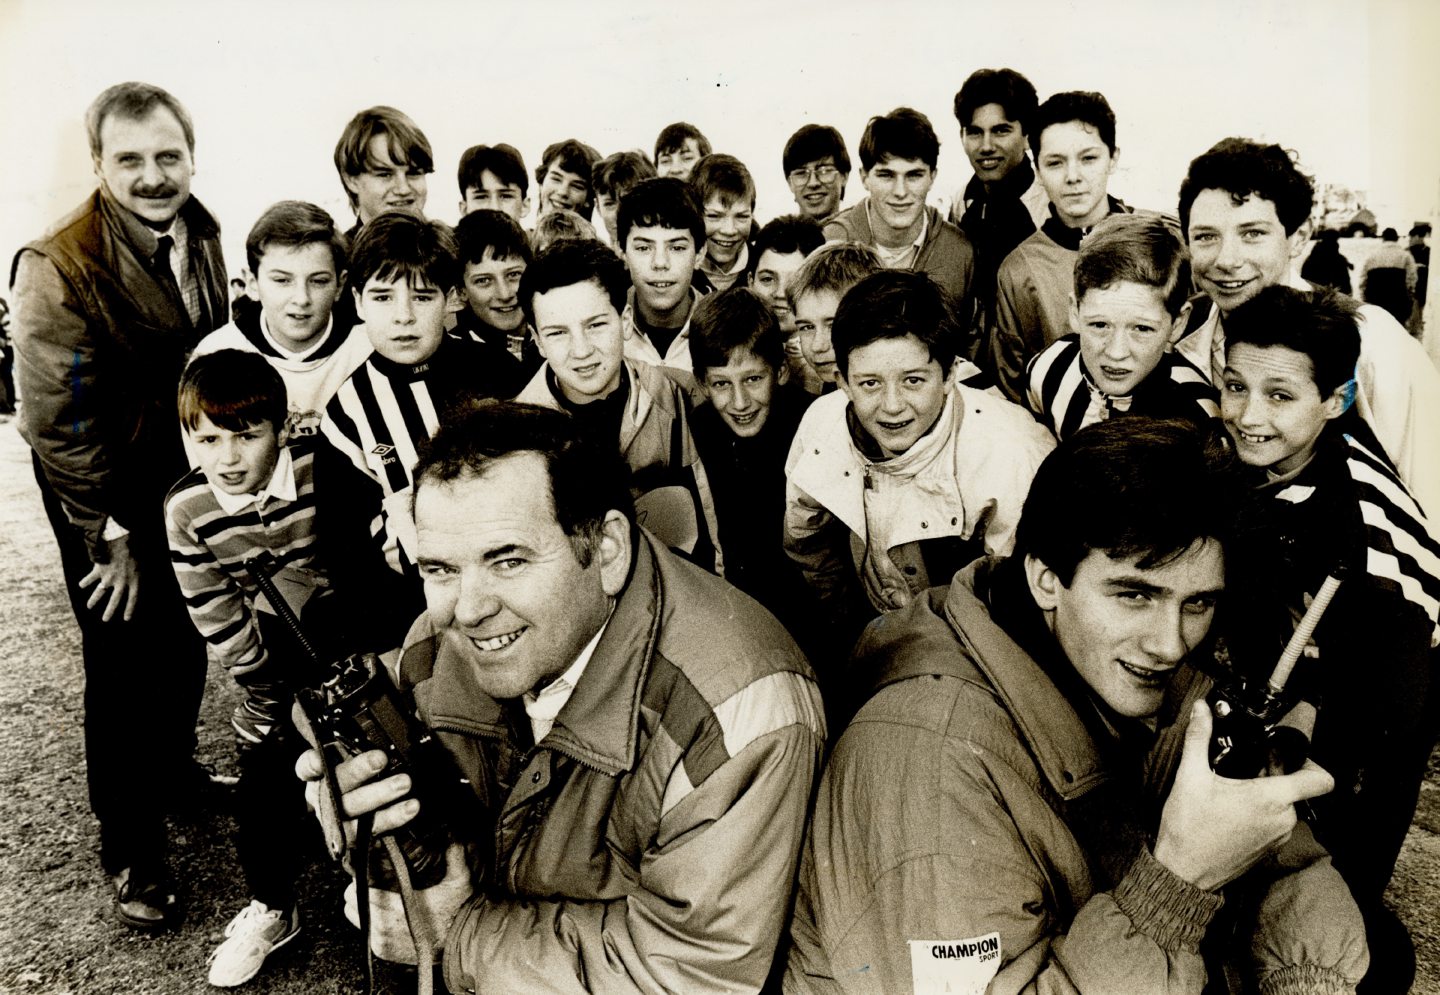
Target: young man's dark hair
1005	87
494	232
234	389
1319	324
570	261
395	245
588	478
904	133
293	223
407	143
1243	168
1085	106
890	305
1176	481
672	138
815	141
734	319
503	161
786	234
619	173
664	202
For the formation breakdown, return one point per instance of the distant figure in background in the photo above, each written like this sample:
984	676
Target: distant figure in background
383	160
678	148
612	178
494	178
1326	265
1420	252
557	225
816	167
1388	277
7	363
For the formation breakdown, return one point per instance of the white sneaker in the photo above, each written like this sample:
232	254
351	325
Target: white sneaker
251	937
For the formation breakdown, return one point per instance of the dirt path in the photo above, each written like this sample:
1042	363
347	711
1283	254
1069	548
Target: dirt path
56	934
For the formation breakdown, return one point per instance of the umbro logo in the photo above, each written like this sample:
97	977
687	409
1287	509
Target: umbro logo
382	450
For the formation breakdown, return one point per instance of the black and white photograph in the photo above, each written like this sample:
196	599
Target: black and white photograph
643	497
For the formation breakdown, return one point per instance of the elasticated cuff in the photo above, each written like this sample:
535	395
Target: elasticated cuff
1306	979
1167	908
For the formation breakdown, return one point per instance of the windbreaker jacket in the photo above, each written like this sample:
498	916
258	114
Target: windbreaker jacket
101	343
964	480
946	254
648	843
945	836
669	483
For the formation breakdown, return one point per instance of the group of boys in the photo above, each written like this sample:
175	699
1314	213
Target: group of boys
838	428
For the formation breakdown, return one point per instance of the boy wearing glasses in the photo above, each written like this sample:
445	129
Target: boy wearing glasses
817	168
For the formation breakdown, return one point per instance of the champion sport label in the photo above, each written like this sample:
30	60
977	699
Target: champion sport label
954	967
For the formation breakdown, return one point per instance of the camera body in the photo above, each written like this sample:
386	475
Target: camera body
1247	739
357	708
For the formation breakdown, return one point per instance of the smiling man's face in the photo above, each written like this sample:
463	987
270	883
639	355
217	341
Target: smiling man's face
503	581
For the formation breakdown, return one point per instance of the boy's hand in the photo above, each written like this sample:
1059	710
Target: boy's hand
1213	828
359	793
120	578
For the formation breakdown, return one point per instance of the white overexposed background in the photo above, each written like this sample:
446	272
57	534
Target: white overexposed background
1350	85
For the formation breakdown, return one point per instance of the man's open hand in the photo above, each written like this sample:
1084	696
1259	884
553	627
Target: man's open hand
118	579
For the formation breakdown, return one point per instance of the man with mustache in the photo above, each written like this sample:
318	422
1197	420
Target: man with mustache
108	305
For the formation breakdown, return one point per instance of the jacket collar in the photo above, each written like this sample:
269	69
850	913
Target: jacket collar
142	238
1011	187
1070	238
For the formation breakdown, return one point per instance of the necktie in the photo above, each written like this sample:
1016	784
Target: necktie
164	272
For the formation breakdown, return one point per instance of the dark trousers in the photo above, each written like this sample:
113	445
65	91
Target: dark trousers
271	817
143	682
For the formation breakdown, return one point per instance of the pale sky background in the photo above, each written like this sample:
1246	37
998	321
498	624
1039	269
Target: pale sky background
1351	85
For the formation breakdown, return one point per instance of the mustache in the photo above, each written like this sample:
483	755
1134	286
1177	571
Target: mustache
163	190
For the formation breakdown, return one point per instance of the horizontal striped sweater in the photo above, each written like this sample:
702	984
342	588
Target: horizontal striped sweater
209	547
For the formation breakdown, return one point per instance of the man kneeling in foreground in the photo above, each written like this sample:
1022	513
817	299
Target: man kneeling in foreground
1008	808
641	737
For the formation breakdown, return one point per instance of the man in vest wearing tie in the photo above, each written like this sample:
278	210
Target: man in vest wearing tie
108	305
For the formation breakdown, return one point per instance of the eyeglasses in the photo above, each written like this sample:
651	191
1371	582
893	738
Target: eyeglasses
800	177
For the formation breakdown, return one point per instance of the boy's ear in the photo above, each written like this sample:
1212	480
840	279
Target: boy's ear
454	301
340	278
1334	406
1045	586
462	207
782	375
1299	239
525	208
283	435
1178	328
1074	315
252	285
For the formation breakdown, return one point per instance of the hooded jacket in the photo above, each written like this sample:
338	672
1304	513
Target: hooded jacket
970	823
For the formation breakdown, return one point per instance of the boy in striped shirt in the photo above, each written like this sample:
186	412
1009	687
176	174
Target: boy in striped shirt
403	272
1132	278
1329	500
252	495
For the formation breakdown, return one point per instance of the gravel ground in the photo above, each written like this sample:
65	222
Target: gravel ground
56	934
